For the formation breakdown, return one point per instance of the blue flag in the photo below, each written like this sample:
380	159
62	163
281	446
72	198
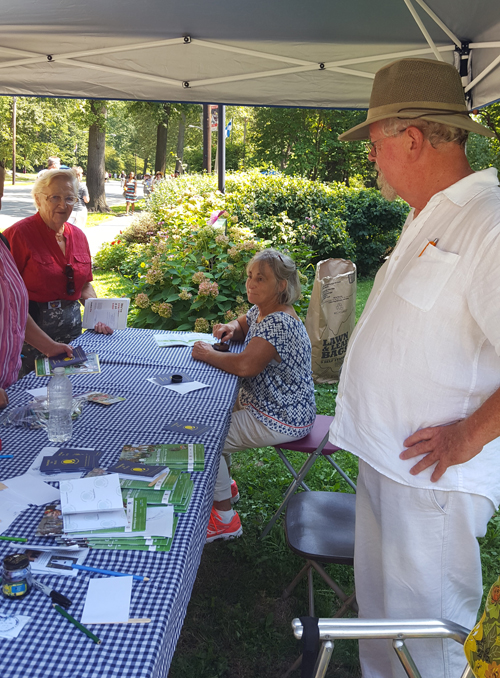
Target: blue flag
228	128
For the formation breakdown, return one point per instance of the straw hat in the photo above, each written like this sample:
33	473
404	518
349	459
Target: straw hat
417	88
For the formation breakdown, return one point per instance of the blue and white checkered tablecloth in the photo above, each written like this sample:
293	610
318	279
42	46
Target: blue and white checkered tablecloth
137	346
50	647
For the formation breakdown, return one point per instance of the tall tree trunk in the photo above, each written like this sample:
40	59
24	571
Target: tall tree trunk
145	167
180	144
161	141
95	162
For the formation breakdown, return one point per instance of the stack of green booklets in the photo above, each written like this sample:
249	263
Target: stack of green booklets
180	457
148	529
173	490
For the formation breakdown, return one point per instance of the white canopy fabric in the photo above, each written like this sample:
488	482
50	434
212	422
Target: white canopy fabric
315	53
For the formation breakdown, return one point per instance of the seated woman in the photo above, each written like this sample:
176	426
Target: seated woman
53	258
276	400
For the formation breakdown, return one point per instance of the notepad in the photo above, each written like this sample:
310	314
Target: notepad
108	600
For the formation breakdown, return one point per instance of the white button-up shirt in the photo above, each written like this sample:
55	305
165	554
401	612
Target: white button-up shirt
426	349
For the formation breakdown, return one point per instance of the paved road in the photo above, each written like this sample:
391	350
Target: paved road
17	203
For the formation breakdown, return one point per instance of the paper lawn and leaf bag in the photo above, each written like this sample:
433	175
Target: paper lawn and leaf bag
331	317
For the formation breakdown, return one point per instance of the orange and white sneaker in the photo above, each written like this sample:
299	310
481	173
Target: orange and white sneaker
235	495
217	529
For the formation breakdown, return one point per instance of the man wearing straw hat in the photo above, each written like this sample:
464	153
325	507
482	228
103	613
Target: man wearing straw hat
419	396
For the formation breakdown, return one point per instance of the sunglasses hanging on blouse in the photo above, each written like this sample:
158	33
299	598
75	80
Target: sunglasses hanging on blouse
70	283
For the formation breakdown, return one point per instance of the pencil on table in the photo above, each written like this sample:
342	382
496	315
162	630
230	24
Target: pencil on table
77	624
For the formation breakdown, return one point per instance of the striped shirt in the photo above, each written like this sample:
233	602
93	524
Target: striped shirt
13	316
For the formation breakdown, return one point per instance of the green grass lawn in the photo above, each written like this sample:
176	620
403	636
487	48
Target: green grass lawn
237	624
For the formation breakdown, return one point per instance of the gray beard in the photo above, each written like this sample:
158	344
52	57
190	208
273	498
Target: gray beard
386	189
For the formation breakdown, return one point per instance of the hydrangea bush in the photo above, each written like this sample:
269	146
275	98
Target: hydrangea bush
194	278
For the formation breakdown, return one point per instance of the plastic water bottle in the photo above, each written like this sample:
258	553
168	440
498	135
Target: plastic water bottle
60	397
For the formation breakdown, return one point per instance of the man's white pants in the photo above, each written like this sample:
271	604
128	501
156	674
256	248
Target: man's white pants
416	557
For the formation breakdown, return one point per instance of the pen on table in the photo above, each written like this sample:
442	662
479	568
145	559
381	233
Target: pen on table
54	595
86	568
77	624
6	456
431	242
7	538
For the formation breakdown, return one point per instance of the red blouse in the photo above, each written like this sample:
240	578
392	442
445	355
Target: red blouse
41	261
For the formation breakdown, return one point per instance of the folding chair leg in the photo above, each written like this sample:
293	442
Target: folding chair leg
288	591
291	469
341	472
310	590
299	477
293	667
324	656
406	659
349	602
332	584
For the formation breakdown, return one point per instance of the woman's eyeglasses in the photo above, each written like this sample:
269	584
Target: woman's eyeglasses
70	283
69	200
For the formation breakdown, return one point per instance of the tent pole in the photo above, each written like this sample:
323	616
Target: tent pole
207	139
221	147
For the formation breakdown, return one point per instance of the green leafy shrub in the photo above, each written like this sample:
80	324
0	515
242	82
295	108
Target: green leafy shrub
374	226
194	278
331	219
119	256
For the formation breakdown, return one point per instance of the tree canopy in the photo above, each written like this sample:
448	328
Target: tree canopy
144	136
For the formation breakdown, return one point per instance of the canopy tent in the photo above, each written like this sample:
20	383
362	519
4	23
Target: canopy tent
320	53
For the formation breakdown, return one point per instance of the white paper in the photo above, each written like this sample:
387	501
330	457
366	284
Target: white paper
159	523
12	625
183	339
83	522
38	392
182	388
112	312
108	600
34	469
9	510
30	490
46	549
84	495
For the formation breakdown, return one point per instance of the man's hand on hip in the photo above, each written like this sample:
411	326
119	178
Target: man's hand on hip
446	445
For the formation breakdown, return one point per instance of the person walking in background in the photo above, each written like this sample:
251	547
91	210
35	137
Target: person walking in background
147	185
123	176
158	178
53	163
78	216
131	191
